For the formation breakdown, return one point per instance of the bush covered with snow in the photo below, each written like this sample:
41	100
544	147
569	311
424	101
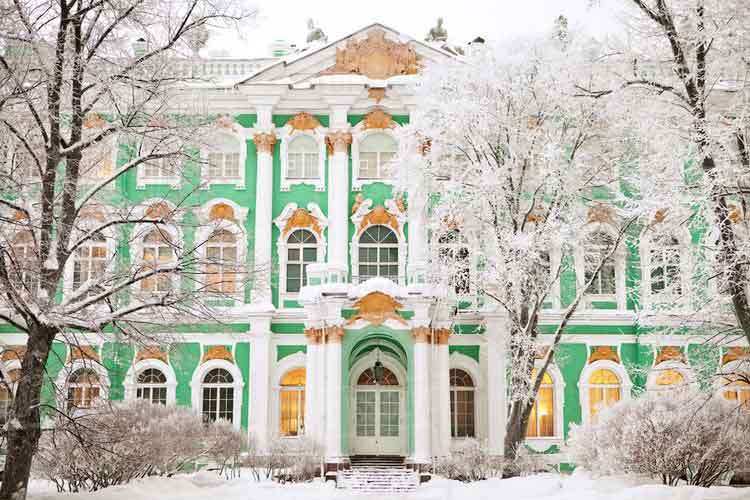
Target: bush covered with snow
112	445
286	460
470	461
674	435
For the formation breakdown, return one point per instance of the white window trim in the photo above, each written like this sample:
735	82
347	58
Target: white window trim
196	386
240	143
358	135
296	360
173	181
75	365
282	243
463	362
738	365
558	384
111	238
6	367
356	218
620	258
14	144
647	242
583	384
656	370
140	231
114	144
131	379
287	135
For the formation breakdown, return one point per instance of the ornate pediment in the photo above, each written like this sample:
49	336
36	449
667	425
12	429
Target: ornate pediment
375	57
377	119
377	308
303	121
218	352
604	352
393	214
293	217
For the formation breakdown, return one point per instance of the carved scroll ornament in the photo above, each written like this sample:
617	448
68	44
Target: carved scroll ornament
376	57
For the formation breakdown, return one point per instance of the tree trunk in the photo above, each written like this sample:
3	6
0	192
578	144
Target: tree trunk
515	431
24	429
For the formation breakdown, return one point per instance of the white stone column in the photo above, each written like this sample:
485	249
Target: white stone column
417	236
260	380
264	143
314	390
422	420
443	421
338	201
335	335
496	330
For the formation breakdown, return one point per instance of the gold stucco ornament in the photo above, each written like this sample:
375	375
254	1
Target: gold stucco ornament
377	308
376	57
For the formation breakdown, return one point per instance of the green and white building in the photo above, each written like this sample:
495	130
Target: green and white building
342	342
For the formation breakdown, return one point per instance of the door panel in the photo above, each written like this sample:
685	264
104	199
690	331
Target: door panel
378	422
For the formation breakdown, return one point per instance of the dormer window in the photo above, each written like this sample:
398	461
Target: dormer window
376	151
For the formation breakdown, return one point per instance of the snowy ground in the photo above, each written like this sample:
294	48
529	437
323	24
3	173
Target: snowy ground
543	487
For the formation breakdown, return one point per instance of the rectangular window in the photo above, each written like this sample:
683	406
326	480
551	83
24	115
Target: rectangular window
302	166
223	165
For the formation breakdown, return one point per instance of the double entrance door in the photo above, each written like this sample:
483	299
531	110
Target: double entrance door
378	426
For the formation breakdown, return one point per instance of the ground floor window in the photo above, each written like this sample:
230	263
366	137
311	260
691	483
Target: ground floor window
84	388
738	391
292	403
218	396
152	386
462	404
604	391
6	401
542	417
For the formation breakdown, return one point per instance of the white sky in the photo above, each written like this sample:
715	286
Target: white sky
464	20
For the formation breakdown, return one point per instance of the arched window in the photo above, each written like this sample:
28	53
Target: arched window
542	417
664	265
596	249
24	262
604	391
669	377
84	388
462	403
90	260
367	377
375	154
737	390
158	251
303	158
218	396
302	249
454	255
292	403
152	386
221	262
378	253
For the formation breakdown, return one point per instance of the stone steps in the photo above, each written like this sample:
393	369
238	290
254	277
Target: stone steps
378	474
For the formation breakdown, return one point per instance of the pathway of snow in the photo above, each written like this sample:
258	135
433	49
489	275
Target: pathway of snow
207	486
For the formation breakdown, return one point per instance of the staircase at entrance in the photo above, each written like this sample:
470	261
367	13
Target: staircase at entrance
376	474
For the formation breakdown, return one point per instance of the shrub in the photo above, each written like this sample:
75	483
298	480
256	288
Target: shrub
112	445
682	434
470	461
286	460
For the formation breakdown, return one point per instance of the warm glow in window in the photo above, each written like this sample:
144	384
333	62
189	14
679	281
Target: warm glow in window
6	400
542	417
221	262
158	252
84	388
292	403
737	390
23	270
604	391
670	376
90	261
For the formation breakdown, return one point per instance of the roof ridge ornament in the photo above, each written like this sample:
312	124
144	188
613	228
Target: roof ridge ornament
375	57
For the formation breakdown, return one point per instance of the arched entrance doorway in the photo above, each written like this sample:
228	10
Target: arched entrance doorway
378	405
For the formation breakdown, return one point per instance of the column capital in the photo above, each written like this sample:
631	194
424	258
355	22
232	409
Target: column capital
421	334
313	335
338	141
335	334
442	335
264	142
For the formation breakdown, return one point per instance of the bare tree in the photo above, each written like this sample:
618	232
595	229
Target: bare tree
88	97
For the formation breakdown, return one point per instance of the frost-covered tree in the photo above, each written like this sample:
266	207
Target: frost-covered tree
523	171
682	70
674	434
78	80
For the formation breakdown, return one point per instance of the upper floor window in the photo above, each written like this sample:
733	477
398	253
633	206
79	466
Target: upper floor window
378	253
664	265
375	154
158	252
90	260
223	165
302	250
221	262
454	258
157	169
303	157
596	249
24	271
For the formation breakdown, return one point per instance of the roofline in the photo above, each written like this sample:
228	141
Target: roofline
285	63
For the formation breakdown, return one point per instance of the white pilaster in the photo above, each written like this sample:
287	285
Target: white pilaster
264	139
443	420
417	236
314	389
333	452
497	325
422	427
338	201
260	373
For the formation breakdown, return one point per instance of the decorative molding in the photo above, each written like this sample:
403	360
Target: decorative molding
375	57
150	352
84	352
443	335
303	121
13	353
225	121
217	352
314	336
293	217
377	119
376	94
358	200
670	353
377	308
221	211
94	120
603	352
335	334
159	210
599	213
264	142
421	334
735	354
338	142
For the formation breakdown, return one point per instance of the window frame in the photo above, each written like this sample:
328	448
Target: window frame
288	137
224	142
238	383
300	393
131	378
378	263
583	384
453	401
619	259
359	135
649	243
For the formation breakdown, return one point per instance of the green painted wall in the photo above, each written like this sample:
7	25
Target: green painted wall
184	359
282	351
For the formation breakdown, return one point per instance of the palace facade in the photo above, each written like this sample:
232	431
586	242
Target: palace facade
342	341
